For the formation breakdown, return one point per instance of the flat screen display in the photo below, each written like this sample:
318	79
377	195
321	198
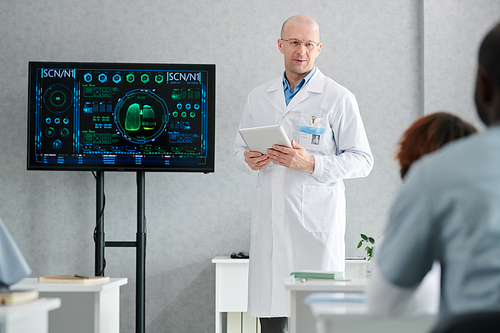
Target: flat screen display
121	117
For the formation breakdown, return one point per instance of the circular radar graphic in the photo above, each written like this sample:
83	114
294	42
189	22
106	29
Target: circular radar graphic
141	116
58	98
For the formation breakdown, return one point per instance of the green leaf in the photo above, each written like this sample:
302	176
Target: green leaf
359	244
371	240
364	237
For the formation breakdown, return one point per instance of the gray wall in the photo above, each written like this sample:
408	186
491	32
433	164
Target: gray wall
400	58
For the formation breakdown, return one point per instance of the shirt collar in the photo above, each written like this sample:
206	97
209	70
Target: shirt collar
303	82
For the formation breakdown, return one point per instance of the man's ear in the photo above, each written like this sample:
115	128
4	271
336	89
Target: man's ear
280	45
484	85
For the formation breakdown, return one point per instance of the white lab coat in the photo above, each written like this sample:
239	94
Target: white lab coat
298	218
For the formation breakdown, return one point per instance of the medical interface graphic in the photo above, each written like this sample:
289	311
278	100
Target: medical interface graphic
131	116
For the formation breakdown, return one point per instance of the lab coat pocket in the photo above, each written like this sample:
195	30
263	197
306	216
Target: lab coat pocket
312	132
321	209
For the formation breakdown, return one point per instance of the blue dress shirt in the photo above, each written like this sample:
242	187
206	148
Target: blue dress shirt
289	92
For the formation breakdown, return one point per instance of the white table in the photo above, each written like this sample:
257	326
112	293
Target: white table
84	308
27	317
344	317
301	318
231	292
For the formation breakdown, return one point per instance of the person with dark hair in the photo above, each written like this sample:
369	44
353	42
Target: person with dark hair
449	211
428	134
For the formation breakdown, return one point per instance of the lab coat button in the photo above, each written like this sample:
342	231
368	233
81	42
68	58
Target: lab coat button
278	213
278	180
278	248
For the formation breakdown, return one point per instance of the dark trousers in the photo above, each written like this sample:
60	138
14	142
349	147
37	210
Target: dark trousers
274	325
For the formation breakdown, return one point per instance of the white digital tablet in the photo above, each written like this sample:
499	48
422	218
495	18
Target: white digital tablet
261	138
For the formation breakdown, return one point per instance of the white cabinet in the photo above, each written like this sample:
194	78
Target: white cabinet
231	295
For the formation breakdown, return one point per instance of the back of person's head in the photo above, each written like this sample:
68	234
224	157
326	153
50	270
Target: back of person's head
487	95
427	134
489	54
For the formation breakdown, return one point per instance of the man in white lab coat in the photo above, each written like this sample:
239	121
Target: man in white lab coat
449	211
298	219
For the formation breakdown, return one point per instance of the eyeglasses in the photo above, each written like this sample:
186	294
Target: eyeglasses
296	43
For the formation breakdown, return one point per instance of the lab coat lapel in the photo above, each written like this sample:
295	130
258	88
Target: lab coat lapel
315	85
277	90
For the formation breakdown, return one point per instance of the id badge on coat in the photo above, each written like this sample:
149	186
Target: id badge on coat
312	137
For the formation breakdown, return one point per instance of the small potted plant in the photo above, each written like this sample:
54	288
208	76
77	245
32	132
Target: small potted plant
370	241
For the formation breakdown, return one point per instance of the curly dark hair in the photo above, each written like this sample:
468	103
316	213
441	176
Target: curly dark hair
428	134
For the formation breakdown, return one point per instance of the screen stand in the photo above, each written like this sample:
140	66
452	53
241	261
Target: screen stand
139	244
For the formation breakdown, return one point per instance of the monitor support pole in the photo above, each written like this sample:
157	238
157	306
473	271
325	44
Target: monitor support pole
139	244
99	229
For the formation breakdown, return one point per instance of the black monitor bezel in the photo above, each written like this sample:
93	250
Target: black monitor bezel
207	168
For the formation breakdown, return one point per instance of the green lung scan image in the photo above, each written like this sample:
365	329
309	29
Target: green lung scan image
148	118
141	116
133	118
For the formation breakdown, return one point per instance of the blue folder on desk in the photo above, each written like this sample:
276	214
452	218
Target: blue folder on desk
335	298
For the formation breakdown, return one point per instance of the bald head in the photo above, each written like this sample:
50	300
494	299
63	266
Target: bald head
300	45
300	19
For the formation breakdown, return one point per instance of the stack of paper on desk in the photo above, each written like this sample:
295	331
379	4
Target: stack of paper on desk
307	274
64	278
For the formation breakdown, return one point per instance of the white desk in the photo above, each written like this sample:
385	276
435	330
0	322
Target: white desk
93	308
344	317
231	291
301	317
27	317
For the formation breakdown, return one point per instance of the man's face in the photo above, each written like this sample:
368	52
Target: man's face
299	60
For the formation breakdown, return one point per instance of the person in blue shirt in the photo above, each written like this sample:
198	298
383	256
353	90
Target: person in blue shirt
299	210
448	210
